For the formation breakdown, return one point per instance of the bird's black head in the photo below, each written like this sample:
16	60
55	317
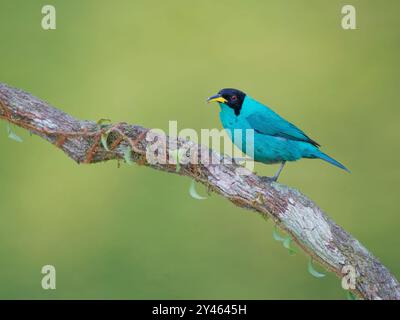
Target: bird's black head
231	97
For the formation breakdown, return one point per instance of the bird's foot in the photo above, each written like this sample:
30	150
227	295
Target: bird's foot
239	161
266	179
276	176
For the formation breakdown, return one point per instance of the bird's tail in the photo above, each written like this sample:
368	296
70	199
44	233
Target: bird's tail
327	158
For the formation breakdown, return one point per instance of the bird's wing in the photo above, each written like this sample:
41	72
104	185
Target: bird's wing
274	125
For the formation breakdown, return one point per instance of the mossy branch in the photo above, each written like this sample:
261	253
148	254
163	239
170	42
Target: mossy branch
313	231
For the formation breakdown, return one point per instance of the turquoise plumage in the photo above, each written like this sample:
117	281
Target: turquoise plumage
275	139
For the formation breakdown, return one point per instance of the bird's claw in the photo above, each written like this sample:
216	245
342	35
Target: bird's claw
239	161
266	179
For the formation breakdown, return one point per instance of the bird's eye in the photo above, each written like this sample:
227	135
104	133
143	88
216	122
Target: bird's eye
233	98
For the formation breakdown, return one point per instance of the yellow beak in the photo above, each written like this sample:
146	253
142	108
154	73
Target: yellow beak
217	98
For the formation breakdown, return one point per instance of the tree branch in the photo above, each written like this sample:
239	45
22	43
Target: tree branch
313	231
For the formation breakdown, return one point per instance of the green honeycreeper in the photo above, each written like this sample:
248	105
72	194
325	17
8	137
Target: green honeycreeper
275	139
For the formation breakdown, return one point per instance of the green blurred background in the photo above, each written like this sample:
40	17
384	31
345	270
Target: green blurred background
135	233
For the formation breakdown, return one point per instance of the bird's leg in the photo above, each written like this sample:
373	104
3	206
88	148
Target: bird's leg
276	175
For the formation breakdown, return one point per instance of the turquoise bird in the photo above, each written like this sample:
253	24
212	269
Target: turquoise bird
275	139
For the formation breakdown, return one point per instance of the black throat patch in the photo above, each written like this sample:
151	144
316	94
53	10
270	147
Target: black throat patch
237	110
